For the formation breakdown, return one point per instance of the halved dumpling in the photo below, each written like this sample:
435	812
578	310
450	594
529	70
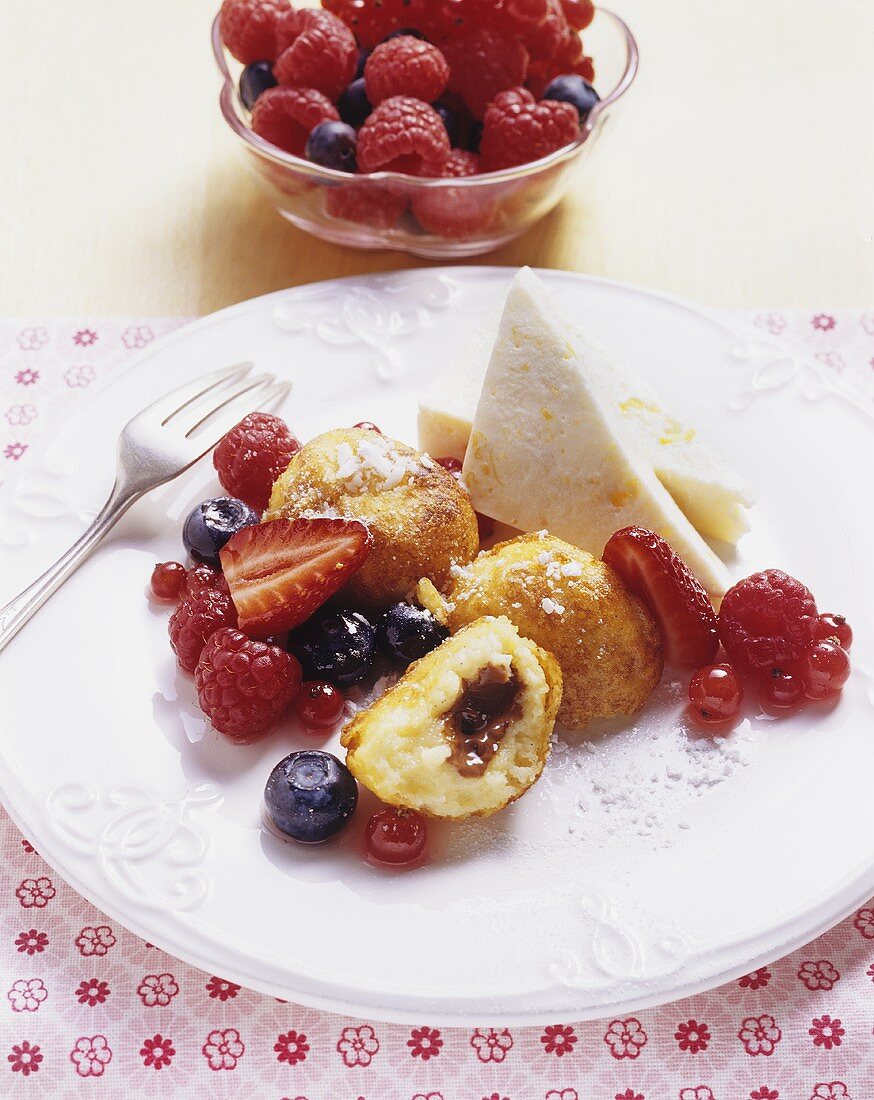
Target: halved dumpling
466	730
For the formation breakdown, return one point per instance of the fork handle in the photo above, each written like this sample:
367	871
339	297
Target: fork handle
23	606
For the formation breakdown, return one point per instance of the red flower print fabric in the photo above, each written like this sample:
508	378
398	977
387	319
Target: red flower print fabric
425	1043
291	1048
157	1052
24	1058
222	990
223	1049
157	990
358	1045
490	1044
92	1011
559	1040
92	993
91	1055
759	1035
832	1090
95	941
818	975
625	1038
758	979
35	893
692	1036
32	942
826	1032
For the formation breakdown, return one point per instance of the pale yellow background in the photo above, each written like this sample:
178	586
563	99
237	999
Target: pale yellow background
740	171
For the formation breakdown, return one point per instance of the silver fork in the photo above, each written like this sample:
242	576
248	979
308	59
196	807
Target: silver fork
160	443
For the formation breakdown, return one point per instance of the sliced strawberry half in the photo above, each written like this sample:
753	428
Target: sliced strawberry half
281	571
667	586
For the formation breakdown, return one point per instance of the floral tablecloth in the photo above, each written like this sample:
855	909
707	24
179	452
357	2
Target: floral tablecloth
90	1009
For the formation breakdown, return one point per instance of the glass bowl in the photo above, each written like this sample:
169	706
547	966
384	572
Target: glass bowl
389	210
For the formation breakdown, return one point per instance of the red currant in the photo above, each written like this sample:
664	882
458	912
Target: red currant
716	694
319	705
450	464
485	526
824	669
167	580
367	426
834	626
782	690
395	836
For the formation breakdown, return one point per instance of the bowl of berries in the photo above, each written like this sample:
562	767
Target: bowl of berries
443	128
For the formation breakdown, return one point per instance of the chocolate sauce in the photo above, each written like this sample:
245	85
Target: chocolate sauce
478	721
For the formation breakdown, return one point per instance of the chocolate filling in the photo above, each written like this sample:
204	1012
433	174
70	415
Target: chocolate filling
478	721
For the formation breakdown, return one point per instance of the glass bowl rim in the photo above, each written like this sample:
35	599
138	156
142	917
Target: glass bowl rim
229	97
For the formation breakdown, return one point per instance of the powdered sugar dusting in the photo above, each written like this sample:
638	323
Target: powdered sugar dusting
374	464
640	777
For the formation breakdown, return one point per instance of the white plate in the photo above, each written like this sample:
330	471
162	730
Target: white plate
646	865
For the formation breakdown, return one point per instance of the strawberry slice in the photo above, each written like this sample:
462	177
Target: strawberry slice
281	571
667	586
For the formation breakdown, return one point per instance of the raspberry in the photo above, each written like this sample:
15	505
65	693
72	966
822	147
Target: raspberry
524	15
369	22
579	13
199	615
454	211
366	204
767	621
400	134
585	68
244	686
517	129
405	66
569	53
434	18
458	164
470	15
204	576
315	49
544	41
252	456
484	63
248	28
285	116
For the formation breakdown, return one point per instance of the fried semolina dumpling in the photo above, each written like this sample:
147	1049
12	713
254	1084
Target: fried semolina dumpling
606	642
421	520
466	730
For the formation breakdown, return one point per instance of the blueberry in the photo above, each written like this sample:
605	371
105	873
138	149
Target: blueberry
310	796
450	121
337	646
407	32
212	523
353	104
573	89
332	144
406	633
473	137
256	78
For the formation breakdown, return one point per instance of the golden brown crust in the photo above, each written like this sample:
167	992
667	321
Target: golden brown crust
420	526
395	748
604	639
